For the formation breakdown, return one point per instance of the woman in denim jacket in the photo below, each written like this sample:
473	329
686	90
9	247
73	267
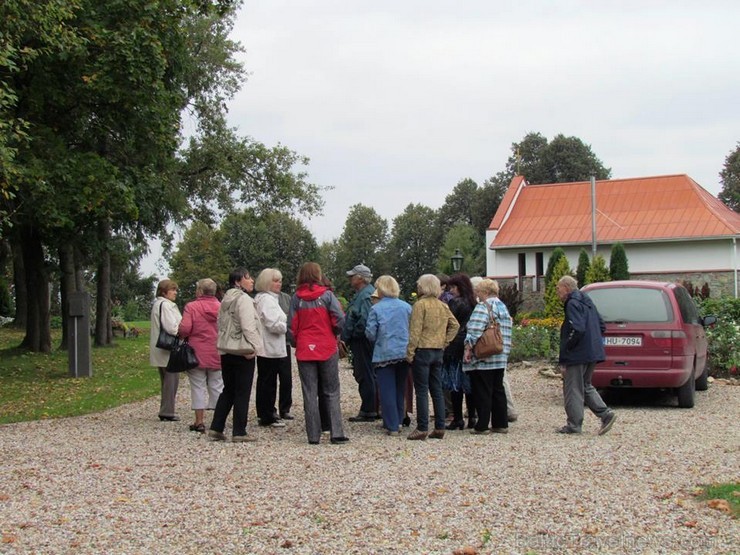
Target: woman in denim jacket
388	329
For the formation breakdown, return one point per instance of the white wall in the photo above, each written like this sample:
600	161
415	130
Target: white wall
642	257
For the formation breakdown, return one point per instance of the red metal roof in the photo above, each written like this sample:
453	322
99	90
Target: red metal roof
669	207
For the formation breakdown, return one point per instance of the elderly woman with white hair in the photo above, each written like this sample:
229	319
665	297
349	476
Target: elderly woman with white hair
388	330
431	329
487	375
274	327
200	326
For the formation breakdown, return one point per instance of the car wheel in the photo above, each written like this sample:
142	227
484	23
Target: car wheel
702	382
686	393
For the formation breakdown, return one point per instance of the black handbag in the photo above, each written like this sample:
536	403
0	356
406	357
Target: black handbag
182	358
165	341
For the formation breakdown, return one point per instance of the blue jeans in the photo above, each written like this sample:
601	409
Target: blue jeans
427	369
392	389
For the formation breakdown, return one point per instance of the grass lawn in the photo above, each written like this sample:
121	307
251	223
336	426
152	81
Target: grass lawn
35	386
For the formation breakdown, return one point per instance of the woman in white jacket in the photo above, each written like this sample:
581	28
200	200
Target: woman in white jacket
273	322
170	318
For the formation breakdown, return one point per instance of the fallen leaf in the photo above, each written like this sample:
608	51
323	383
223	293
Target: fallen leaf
467	550
720	504
690	524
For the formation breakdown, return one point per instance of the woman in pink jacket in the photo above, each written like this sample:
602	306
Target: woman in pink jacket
200	325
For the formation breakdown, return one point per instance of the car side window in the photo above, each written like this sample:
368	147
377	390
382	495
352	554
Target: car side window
689	312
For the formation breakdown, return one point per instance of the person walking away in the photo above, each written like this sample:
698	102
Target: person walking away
581	348
353	334
200	326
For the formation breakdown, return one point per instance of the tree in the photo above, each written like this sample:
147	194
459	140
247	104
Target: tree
584	263
101	153
414	245
618	266
563	160
553	304
363	241
465	238
555	257
271	240
598	271
200	254
488	198
730	175
459	205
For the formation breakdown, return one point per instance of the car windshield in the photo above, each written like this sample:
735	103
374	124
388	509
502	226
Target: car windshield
631	304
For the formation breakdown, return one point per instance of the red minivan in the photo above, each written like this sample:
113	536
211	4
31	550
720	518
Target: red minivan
654	337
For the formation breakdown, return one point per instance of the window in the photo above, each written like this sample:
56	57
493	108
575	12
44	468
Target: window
632	304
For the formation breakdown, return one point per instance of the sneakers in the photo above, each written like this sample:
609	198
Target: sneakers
607	422
216	436
567	430
417	435
243	439
277	424
500	430
437	434
480	432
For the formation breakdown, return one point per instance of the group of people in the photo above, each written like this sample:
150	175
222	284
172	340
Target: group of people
398	351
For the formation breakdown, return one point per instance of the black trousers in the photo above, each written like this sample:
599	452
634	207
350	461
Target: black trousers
267	375
489	397
285	389
238	374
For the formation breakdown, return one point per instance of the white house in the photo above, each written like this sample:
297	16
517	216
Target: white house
670	226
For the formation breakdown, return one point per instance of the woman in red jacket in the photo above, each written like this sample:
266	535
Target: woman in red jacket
200	325
315	320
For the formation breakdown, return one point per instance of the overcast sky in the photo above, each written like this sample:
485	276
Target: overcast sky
397	101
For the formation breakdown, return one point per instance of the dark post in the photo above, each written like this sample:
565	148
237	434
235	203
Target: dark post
78	326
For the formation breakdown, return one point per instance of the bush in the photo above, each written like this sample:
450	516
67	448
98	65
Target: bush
535	339
724	336
511	297
618	265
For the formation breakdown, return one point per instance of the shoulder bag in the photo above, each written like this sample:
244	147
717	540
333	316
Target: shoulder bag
231	339
182	358
165	341
491	342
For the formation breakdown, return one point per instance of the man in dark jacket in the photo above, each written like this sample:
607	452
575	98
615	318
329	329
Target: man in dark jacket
353	334
581	347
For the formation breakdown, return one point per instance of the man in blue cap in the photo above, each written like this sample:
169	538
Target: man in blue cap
353	334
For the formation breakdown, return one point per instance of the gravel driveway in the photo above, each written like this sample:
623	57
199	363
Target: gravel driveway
124	482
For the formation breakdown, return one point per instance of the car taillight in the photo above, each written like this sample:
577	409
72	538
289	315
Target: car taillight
674	340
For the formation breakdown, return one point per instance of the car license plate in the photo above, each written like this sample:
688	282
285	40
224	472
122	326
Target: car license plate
623	341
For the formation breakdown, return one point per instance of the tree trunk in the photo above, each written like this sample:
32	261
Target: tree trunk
38	331
19	279
103	326
67	285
